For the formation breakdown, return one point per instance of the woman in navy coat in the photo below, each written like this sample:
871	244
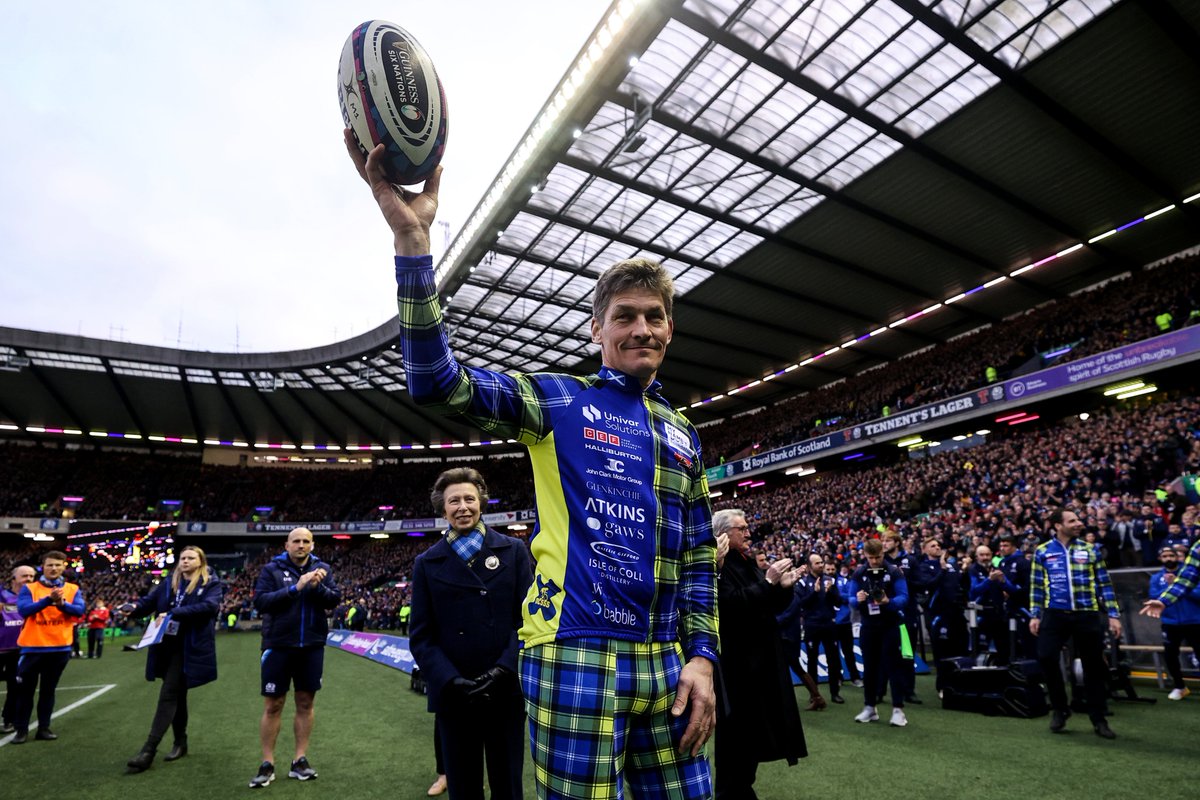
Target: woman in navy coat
466	609
187	655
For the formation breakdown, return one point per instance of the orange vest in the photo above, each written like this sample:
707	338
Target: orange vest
50	627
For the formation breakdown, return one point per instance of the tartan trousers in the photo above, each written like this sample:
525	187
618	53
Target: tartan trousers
600	716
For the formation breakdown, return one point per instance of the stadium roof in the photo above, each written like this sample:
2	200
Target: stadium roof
833	185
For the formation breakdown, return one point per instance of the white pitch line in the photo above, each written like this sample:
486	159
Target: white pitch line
74	688
71	707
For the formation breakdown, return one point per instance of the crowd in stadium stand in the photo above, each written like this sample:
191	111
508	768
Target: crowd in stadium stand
123	485
1106	465
1121	311
1111	464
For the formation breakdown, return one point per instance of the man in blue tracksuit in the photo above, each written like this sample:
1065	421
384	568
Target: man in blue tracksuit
1017	568
294	593
843	622
938	578
1180	621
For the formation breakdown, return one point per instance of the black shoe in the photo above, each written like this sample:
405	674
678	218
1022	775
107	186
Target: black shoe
178	751
266	774
46	735
142	761
1058	720
837	698
1103	731
912	698
7	728
20	738
301	770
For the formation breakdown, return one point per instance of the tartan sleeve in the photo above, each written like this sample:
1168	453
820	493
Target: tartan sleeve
1037	585
512	406
698	571
1187	579
1107	598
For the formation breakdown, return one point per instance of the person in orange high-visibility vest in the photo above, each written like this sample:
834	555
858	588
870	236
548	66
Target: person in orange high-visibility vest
51	608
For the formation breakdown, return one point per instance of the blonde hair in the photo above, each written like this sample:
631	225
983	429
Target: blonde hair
199	577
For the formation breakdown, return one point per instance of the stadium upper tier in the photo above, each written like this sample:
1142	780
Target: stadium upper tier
1104	466
833	185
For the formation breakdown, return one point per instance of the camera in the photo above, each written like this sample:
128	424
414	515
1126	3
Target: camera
873	584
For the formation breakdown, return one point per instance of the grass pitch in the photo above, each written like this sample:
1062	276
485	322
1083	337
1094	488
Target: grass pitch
374	739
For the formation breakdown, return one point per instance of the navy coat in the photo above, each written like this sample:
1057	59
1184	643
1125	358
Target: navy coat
197	616
465	618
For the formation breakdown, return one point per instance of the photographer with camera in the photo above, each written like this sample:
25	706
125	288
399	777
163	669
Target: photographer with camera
880	595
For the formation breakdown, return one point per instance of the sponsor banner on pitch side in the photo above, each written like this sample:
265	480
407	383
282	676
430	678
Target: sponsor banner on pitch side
391	651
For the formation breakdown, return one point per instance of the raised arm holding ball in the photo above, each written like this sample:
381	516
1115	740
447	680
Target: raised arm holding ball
625	586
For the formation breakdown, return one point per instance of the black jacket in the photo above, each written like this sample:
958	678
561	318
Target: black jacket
465	618
757	682
820	606
294	618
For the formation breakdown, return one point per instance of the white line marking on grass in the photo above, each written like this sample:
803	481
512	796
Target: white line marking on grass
74	688
71	707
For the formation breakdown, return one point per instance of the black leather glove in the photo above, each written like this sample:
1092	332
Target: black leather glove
486	682
460	689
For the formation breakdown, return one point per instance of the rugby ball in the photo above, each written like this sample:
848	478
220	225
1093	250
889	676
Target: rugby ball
390	94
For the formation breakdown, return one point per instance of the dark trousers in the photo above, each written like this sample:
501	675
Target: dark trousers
824	637
994	627
95	642
948	636
1025	642
492	729
845	637
736	756
1086	630
882	664
34	669
438	760
8	673
172	710
1173	638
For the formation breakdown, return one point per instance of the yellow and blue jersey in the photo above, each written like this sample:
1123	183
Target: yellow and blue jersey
1071	578
624	543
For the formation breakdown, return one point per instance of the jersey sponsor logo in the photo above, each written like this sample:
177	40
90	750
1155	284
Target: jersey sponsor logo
618	616
610	508
1080	556
602	436
613	475
615	552
541	603
619	574
679	441
591	413
615	491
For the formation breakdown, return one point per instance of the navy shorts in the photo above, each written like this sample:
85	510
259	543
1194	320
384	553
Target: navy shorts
284	666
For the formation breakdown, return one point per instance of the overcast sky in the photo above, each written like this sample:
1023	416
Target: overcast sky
172	173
